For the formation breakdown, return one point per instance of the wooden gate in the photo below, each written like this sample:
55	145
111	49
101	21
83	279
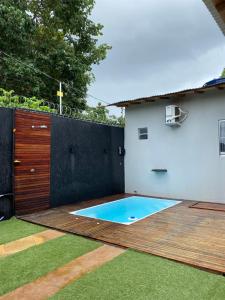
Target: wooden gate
32	142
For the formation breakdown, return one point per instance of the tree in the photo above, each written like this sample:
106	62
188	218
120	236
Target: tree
9	99
100	114
55	37
16	30
223	73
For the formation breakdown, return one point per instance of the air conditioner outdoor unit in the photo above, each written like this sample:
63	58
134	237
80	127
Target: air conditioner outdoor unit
175	115
172	115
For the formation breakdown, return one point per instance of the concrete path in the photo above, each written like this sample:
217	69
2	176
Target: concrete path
29	241
48	285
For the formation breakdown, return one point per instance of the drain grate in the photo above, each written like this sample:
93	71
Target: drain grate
132	218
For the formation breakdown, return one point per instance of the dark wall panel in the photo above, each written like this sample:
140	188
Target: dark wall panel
6	149
84	161
117	140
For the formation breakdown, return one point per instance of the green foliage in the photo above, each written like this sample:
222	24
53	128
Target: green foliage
223	73
17	30
8	99
100	114
55	37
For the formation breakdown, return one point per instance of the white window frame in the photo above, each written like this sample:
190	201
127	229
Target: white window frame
222	153
141	134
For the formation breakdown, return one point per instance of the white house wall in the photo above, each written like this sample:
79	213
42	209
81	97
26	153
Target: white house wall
190	153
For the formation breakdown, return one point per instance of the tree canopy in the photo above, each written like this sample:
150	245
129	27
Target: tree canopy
223	73
54	37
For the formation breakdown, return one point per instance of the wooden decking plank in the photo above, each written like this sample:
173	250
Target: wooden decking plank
192	236
209	206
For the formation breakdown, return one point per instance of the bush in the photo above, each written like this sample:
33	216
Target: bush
100	114
8	99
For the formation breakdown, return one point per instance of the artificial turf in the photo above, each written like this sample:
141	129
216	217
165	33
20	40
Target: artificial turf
28	265
15	229
138	276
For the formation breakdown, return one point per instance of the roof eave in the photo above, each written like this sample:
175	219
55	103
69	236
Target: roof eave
176	95
217	10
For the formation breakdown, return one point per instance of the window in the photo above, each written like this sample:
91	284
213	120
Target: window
143	133
222	136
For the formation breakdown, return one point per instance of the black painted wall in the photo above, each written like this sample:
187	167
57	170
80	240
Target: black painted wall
6	152
117	140
85	163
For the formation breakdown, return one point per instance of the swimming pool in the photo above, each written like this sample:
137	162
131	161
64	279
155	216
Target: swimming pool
127	210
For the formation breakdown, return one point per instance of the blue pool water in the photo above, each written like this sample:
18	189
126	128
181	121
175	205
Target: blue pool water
127	210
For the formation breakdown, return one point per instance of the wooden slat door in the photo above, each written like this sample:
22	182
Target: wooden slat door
32	142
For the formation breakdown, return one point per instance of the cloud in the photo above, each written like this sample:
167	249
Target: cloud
157	47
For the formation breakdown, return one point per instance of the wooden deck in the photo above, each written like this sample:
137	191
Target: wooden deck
209	206
181	233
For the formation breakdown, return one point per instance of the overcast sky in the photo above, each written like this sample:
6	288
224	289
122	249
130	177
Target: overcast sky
158	46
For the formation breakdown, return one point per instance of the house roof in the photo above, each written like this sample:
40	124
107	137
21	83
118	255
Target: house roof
176	95
217	9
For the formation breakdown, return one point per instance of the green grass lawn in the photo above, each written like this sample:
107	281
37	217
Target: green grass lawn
138	276
132	275
28	265
14	229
